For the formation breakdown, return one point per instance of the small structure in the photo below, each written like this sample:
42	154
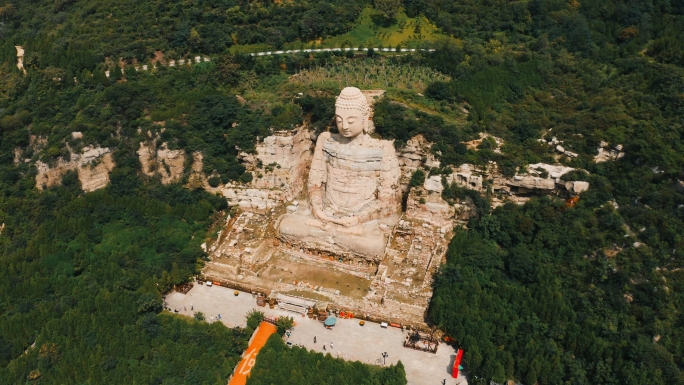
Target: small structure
421	341
294	304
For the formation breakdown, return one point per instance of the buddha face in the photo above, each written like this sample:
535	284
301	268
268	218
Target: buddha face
350	123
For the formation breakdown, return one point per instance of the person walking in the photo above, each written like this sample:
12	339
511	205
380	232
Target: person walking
323	346
331	346
314	339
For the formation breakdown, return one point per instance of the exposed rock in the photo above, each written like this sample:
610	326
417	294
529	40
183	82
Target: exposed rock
532	183
197	179
20	58
560	149
77	135
285	157
555	171
411	157
251	198
434	183
93	166
169	164
18	154
577	187
679	185
473	144
96	175
605	153
37	143
466	175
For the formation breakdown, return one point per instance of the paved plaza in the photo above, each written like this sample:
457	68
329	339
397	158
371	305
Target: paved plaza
349	340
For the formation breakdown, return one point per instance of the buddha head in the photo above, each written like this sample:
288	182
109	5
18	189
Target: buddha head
351	112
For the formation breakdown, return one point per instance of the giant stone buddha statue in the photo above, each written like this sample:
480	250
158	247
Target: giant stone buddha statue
353	187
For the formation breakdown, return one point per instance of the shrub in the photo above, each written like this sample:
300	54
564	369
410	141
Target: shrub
418	178
214	181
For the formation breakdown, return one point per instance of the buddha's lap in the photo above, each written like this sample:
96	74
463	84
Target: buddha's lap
364	239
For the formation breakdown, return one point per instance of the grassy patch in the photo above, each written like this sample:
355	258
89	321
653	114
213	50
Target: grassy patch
370	74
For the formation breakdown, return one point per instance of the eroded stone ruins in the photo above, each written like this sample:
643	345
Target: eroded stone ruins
322	218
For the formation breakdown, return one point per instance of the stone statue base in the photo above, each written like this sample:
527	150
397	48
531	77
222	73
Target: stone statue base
302	229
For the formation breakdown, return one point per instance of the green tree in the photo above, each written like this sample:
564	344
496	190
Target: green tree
418	178
387	8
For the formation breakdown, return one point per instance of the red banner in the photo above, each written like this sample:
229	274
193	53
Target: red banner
249	356
457	363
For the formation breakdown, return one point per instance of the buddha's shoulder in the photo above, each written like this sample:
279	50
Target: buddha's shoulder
323	137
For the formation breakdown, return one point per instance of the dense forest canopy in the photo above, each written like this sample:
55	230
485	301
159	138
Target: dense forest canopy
590	294
279	364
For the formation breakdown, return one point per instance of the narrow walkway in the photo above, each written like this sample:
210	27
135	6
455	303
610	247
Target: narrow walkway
202	59
266	53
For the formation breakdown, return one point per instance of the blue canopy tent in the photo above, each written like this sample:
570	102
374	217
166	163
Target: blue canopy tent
330	322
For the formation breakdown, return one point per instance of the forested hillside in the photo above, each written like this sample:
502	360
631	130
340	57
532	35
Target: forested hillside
590	294
81	284
280	364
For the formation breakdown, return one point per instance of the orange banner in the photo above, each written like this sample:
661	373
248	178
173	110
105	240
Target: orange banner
249	357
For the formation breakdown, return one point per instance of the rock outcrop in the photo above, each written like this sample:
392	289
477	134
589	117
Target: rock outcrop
20	58
466	175
541	178
93	165
531	183
281	162
679	185
545	178
474	144
168	164
416	154
606	152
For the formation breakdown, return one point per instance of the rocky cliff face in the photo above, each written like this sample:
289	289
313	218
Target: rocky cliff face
282	162
416	154
280	169
169	164
93	165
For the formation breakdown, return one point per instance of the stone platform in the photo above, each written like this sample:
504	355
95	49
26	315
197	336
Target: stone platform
397	289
